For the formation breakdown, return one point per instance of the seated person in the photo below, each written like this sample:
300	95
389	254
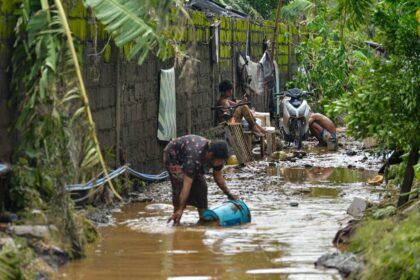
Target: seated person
226	89
323	129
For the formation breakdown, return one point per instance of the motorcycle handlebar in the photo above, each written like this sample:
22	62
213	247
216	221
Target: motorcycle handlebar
304	93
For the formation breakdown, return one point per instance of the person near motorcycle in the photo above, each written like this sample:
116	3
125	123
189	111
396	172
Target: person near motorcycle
243	111
324	130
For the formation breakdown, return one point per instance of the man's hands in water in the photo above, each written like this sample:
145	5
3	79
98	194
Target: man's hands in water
232	196
176	217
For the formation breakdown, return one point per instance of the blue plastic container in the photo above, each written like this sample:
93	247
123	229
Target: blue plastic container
231	212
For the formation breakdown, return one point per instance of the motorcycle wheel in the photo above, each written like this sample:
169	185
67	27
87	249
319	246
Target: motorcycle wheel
298	134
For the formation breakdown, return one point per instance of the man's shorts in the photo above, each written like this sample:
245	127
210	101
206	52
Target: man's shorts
198	192
330	139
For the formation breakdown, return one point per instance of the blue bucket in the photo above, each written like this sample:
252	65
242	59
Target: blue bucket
231	212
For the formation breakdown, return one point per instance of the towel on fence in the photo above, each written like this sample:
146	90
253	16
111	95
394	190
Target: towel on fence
216	25
167	106
277	76
254	69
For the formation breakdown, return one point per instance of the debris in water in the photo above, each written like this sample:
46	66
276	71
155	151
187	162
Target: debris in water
377	180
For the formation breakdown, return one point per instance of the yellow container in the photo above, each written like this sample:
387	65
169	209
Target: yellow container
232	160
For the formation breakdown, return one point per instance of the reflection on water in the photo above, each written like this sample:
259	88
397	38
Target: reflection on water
281	242
319	174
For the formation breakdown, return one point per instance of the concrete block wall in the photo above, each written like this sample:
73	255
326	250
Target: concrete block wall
124	96
7	22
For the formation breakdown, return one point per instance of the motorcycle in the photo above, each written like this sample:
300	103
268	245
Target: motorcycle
294	112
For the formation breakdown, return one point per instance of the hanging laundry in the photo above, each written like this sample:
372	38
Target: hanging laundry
167	106
255	70
267	64
269	82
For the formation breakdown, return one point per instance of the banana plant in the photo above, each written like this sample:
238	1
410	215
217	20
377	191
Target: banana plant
145	26
57	139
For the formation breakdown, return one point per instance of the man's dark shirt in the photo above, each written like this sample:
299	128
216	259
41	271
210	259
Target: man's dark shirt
188	151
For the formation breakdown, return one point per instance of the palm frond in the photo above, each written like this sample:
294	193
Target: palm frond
353	13
244	7
296	9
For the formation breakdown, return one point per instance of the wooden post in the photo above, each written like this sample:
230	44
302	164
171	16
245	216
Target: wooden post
289	53
232	56
413	158
118	112
280	4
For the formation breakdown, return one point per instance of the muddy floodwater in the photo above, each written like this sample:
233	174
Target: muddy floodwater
281	242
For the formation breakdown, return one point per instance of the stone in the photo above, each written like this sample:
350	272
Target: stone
345	263
351	153
344	235
52	255
141	199
357	207
100	217
38	231
7	241
294	203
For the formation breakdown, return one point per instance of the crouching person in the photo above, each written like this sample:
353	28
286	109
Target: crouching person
186	159
324	130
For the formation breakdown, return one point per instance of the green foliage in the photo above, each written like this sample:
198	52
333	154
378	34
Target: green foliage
144	27
386	103
267	9
89	231
296	9
352	14
386	100
326	62
243	6
61	213
417	171
54	147
390	248
398	28
13	260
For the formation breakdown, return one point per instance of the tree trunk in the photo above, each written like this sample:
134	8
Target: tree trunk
413	157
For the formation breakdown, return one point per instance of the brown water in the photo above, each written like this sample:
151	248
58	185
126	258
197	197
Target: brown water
281	242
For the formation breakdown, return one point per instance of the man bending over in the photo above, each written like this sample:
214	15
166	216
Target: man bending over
186	159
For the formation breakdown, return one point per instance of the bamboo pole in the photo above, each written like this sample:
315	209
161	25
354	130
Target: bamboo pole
275	29
83	93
